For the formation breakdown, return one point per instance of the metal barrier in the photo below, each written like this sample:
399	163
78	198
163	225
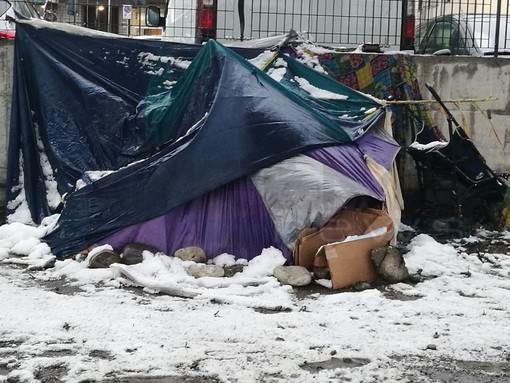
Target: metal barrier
346	23
464	26
337	22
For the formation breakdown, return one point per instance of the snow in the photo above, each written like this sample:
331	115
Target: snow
317	92
72	29
91	176
147	58
52	195
277	74
371	234
262	59
19	205
227	260
430	145
247	328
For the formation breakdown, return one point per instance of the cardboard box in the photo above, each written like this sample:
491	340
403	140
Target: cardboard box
348	262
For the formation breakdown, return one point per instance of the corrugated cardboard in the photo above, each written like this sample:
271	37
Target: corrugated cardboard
348	262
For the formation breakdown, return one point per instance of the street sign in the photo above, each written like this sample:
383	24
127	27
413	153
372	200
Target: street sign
126	12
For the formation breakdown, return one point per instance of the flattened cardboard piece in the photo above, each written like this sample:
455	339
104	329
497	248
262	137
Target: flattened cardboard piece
345	223
297	254
350	262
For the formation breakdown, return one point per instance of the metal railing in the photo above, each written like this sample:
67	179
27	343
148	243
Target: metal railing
466	26
334	22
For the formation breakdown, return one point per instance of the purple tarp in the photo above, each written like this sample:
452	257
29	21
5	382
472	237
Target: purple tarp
231	219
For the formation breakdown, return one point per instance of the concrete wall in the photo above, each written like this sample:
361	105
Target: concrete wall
6	60
488	125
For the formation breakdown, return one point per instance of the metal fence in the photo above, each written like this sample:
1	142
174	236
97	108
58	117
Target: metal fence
463	26
339	22
482	23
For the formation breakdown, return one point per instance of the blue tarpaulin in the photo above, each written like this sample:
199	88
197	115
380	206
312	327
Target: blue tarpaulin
75	98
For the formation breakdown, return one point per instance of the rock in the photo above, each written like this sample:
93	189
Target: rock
390	264
414	278
232	270
362	286
201	270
293	275
103	259
133	253
321	273
431	347
191	253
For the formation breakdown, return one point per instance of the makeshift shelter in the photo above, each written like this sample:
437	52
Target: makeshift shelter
229	159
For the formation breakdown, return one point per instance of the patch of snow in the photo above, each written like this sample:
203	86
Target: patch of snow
150	58
277	74
262	59
325	282
169	84
429	146
53	197
461	306
317	92
91	176
19	205
264	264
404	227
223	260
370	111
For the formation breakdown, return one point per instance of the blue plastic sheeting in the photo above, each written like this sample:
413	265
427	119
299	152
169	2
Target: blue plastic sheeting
250	123
75	99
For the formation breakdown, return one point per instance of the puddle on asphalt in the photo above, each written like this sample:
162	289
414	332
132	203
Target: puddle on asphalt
59	286
498	369
462	376
51	374
313	290
394	295
101	354
4	370
162	379
333	363
58	353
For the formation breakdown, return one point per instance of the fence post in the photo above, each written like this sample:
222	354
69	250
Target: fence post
109	16
240	8
498	24
407	23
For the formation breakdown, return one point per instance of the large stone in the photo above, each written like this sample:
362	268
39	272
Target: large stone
201	270
103	259
192	253
230	271
133	253
321	273
390	264
293	275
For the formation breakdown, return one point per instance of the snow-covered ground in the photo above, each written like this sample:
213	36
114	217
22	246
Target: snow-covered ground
69	323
